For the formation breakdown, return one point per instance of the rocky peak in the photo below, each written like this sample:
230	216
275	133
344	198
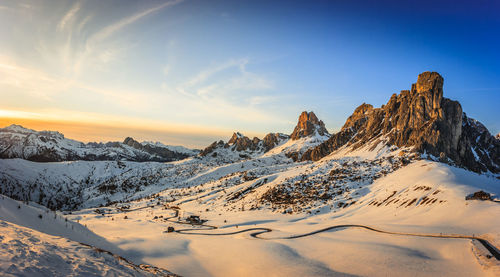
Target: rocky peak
235	137
429	82
420	118
308	125
358	117
17	129
132	143
238	142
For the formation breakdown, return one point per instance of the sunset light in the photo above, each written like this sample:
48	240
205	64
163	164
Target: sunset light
249	138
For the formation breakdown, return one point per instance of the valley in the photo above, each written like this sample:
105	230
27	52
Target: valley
393	193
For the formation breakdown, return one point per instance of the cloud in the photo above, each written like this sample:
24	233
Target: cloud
84	22
207	83
95	45
205	74
69	16
111	29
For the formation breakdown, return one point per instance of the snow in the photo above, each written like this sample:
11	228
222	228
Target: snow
26	252
51	222
380	186
330	253
300	145
174	148
19	142
37	242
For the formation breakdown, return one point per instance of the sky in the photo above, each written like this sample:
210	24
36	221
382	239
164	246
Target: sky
188	72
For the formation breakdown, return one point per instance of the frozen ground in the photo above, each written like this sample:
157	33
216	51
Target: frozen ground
37	242
340	252
131	205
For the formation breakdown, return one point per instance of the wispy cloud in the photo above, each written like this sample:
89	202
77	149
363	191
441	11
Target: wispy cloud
69	16
96	46
206	83
111	29
206	73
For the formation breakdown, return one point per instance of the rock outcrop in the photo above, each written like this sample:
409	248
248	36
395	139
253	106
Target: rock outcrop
308	125
423	119
272	140
240	143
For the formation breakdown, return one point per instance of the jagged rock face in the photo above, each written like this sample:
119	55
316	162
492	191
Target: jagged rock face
272	140
239	143
209	149
423	119
242	143
308	125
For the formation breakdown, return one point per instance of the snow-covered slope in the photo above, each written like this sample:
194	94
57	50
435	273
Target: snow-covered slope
27	252
295	148
54	223
376	185
69	185
420	197
37	242
48	146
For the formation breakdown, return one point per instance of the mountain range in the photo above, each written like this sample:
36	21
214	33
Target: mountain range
417	166
49	146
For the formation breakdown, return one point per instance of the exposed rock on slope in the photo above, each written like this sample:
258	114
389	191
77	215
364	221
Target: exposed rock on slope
308	125
423	119
272	140
241	143
47	146
164	151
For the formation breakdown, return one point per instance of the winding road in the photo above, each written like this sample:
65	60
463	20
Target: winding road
257	231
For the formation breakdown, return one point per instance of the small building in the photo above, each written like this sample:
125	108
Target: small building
194	219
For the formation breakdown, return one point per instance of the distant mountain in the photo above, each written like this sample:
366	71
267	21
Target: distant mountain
309	132
309	125
243	146
49	146
423	120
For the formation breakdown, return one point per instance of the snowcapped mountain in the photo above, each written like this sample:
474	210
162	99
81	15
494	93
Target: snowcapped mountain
408	167
371	139
48	146
420	118
309	132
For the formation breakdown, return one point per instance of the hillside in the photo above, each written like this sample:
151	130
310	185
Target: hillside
39	242
410	188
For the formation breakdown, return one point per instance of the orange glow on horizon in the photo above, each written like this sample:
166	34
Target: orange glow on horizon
95	128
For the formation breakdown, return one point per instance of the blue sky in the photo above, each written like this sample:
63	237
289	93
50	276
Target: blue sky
189	72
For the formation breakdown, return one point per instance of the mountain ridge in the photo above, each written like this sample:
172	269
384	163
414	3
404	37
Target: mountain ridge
420	118
52	146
